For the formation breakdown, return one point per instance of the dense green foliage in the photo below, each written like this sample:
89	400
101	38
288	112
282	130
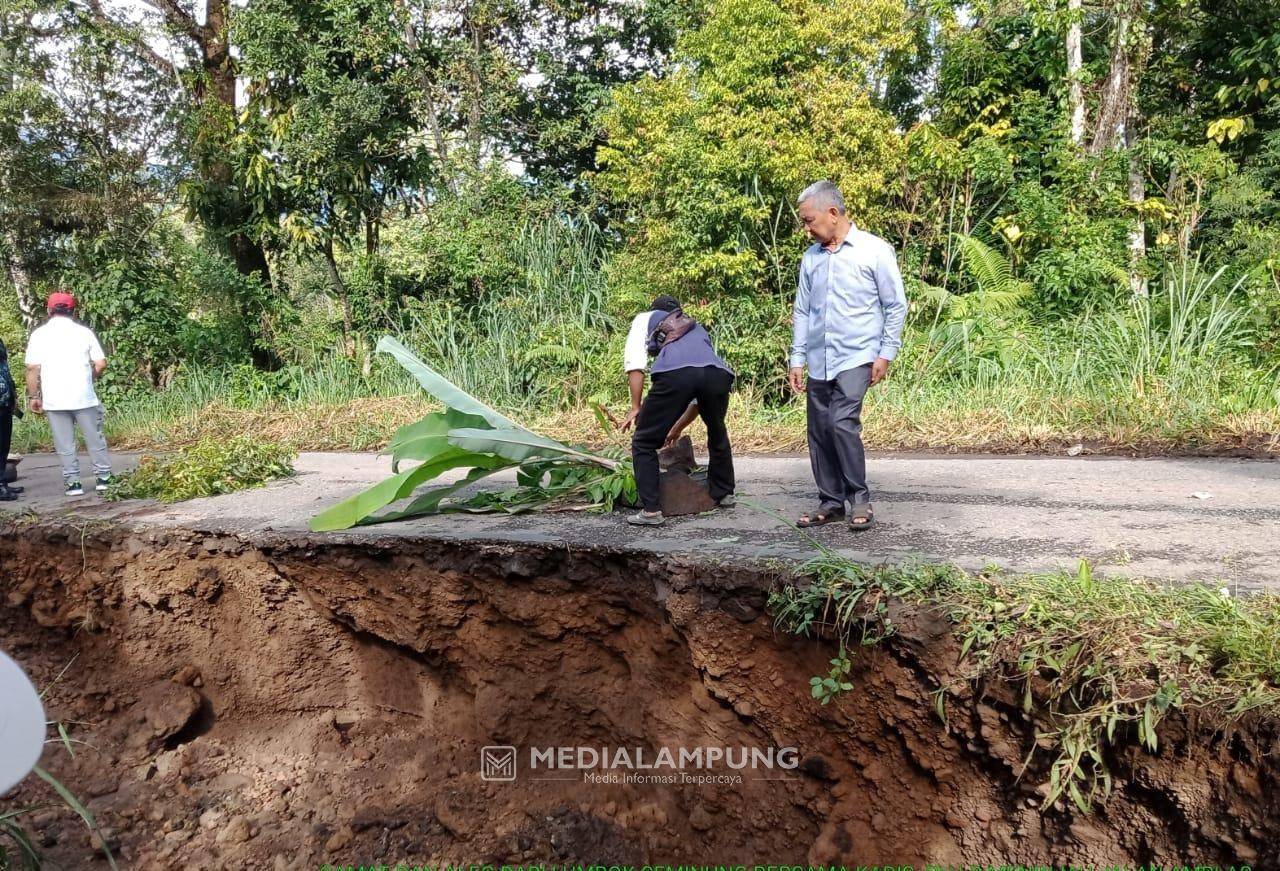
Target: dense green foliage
1089	249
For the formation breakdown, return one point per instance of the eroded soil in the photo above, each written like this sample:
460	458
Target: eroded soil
281	703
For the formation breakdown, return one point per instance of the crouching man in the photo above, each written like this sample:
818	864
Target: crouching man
685	372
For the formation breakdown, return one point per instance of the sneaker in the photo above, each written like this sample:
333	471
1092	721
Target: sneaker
75	488
103	482
6	494
727	501
644	518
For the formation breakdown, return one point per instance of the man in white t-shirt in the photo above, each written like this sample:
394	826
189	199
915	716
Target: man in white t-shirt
63	359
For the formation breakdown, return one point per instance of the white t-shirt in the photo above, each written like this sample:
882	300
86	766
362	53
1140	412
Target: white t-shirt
64	350
635	354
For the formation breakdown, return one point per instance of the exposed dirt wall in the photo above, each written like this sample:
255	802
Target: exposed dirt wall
284	703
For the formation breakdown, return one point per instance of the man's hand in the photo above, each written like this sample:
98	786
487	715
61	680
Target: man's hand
36	405
795	377
630	420
879	369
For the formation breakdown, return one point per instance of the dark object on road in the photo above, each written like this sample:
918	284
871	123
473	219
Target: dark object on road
10	471
679	456
682	486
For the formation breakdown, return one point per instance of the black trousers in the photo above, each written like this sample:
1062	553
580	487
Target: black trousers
669	395
835	438
6	437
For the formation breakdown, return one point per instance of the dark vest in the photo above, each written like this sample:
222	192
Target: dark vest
692	349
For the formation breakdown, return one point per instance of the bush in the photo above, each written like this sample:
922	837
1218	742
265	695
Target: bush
164	299
208	468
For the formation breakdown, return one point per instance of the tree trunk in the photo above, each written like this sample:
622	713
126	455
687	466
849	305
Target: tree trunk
340	288
475	111
15	266
427	85
1075	62
1137	194
1114	104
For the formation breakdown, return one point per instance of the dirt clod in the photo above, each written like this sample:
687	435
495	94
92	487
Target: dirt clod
235	832
166	708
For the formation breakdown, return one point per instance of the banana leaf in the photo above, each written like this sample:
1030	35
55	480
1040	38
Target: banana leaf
521	445
465	434
430	501
442	388
355	509
426	438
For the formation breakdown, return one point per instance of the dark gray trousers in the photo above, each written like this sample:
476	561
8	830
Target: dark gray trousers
835	438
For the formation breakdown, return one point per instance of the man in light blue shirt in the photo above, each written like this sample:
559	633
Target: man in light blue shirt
847	327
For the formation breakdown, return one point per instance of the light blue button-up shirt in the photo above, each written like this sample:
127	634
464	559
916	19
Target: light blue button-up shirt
850	306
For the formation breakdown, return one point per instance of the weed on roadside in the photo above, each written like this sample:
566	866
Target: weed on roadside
208	468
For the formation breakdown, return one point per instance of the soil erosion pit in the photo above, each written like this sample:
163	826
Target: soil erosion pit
283	703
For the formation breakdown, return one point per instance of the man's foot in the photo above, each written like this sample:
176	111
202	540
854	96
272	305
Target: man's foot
861	517
75	488
15	488
727	501
103	482
821	517
647	518
7	494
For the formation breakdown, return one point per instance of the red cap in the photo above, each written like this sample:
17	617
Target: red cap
61	298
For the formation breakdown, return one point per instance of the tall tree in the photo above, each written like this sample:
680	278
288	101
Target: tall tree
330	141
760	100
78	129
208	117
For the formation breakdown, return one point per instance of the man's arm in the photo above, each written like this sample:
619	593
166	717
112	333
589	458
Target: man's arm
34	400
678	427
96	356
635	380
799	331
893	301
635	357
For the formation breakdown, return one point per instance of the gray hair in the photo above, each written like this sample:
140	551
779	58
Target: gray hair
824	194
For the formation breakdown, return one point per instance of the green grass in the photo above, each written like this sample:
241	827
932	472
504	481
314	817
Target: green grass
208	468
1172	372
1094	660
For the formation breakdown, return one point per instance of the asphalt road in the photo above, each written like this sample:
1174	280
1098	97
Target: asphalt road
1214	520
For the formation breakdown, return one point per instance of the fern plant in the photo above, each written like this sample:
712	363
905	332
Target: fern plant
997	293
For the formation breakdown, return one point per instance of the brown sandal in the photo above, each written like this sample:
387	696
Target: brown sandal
862	519
820	518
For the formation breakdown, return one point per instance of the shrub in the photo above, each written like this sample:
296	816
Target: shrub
208	468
